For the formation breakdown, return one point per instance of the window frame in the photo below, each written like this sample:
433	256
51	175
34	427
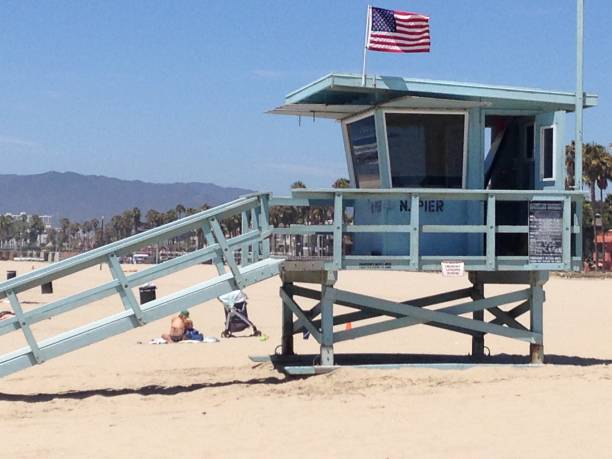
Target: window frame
542	155
533	150
347	144
465	114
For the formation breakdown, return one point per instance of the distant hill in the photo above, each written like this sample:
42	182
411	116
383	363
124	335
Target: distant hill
82	197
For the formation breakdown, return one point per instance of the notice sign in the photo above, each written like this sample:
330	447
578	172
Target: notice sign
453	268
545	232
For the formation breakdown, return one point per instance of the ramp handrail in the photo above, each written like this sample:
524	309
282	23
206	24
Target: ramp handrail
167	231
339	199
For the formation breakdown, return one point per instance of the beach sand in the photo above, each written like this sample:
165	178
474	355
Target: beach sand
119	398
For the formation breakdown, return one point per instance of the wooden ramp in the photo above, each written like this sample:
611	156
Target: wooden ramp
255	265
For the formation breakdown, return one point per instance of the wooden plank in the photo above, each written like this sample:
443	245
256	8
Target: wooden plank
415	232
35	351
447	317
566	236
300	314
264	224
454	229
244	248
491	232
60	306
514	313
327	325
227	253
210	242
125	292
99	255
338	224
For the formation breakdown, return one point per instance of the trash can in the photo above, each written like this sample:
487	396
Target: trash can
11	274
147	293
47	288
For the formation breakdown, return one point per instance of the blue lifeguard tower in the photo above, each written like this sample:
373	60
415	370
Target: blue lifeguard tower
445	176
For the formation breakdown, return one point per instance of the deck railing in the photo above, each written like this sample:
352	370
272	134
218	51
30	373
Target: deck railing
339	230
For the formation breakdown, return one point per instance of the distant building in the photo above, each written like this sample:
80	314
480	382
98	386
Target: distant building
46	219
604	244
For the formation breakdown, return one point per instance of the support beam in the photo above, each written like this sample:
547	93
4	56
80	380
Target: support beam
448	317
513	313
227	253
327	324
287	332
300	314
35	351
536	302
125	292
478	339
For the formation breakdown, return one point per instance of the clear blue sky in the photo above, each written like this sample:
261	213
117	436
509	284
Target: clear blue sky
176	90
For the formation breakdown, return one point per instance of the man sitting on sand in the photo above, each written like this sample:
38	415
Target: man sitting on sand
179	326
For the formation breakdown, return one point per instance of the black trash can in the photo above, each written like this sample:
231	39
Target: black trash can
47	288
11	274
147	293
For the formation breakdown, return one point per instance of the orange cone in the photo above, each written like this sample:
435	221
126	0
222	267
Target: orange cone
348	326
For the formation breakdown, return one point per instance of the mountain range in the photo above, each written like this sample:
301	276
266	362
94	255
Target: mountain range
82	197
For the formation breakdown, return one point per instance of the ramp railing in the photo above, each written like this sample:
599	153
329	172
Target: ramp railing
483	205
252	243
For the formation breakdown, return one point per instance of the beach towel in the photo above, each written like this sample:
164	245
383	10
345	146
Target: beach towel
205	339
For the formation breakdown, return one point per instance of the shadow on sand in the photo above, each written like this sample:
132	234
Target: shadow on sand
143	391
430	360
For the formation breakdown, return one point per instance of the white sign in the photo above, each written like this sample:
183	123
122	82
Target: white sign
453	268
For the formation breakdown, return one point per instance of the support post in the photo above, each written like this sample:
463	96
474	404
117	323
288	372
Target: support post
477	339
536	302
287	333
327	322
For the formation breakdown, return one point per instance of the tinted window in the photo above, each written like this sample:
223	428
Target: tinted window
364	153
547	152
426	150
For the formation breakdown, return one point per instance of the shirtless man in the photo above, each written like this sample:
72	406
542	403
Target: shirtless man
178	326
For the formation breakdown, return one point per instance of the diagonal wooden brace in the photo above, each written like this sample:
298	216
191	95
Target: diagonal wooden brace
25	327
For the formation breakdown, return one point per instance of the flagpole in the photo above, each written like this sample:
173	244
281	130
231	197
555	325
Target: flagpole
365	46
579	93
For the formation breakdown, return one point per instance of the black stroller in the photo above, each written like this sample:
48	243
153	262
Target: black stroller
236	314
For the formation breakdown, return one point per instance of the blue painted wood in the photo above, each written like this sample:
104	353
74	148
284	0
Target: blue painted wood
338	224
305	320
124	321
34	350
125	293
415	232
228	254
125	246
378	88
212	244
446	318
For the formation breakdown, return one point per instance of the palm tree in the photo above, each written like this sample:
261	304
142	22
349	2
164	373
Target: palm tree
180	210
341	183
597	170
136	216
595	166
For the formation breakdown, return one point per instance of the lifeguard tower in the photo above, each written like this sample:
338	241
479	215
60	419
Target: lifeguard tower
429	193
444	175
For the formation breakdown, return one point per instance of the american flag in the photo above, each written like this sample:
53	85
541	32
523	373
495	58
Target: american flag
398	32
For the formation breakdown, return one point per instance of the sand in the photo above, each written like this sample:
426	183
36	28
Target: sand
119	398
